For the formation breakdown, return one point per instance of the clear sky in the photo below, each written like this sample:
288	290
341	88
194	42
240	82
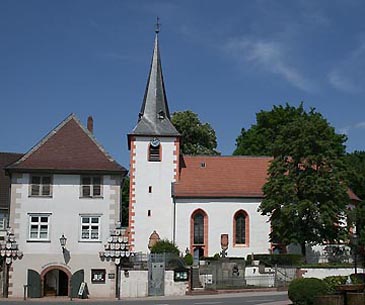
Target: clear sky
225	60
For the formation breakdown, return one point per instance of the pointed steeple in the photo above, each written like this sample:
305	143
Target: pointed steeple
154	117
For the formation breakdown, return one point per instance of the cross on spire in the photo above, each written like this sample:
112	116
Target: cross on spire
158	24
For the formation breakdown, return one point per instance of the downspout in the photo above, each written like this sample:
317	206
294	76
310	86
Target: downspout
174	216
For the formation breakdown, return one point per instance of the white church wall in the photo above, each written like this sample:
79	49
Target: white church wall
158	203
220	214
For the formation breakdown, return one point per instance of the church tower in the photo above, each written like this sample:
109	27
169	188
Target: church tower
154	146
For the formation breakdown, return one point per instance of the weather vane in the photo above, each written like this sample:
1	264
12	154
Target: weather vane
158	24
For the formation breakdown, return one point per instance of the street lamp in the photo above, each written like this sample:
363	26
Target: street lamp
63	241
355	243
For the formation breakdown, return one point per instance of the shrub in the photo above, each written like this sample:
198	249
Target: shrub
188	259
165	246
333	281
358	278
303	291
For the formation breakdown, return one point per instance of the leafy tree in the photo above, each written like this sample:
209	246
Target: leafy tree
165	246
197	138
305	196
260	138
125	202
355	163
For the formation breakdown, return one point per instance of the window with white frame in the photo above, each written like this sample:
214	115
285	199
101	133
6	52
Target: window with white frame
41	185
90	227
39	227
91	186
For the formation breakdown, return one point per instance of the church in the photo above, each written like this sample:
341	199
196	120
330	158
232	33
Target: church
201	203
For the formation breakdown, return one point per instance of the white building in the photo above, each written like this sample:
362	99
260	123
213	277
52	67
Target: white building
194	201
65	186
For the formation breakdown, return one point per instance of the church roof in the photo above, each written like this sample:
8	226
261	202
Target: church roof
70	147
225	177
154	117
219	177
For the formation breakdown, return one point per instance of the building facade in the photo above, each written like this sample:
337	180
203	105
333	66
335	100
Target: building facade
193	201
65	200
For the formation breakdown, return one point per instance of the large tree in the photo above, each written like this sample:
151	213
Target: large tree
355	163
305	196
197	138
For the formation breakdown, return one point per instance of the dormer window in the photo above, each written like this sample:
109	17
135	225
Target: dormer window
154	150
161	115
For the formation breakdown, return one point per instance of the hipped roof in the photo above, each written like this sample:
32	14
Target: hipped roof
69	147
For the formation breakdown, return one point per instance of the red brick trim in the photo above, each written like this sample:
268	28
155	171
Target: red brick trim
247	229
177	161
205	245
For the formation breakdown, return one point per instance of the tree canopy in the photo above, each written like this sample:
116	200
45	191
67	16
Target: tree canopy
306	195
197	138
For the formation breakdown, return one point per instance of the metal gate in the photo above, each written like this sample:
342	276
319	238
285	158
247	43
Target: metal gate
156	275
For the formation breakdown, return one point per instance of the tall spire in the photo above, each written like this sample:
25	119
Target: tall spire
154	117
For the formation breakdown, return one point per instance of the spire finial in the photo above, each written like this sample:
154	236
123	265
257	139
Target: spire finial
157	28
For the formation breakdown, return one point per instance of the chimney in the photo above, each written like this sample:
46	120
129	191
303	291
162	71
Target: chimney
90	124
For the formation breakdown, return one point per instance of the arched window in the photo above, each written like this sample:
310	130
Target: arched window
241	228
199	228
199	232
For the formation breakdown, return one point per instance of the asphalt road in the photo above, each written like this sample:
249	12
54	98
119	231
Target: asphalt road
249	298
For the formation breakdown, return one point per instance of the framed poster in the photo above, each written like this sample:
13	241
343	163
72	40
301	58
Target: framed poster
98	276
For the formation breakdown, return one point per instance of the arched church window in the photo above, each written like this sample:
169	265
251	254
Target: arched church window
241	228
199	228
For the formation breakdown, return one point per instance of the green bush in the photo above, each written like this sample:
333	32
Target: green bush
303	291
188	259
165	246
333	281
358	278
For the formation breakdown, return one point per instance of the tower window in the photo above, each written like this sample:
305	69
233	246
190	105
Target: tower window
154	150
150	189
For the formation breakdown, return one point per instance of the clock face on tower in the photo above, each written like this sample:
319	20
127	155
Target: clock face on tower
155	142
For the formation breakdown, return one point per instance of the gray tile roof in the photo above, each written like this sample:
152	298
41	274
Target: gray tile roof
154	118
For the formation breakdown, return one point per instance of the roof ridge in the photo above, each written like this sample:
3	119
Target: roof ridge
95	141
48	136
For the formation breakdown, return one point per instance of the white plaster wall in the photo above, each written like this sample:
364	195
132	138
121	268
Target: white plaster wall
159	175
173	288
321	273
220	220
65	208
136	284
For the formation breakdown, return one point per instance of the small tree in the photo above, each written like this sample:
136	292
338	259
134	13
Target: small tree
165	246
197	138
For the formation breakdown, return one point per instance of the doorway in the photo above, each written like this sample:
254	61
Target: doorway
56	283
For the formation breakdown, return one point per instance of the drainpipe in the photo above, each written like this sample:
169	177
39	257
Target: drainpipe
174	216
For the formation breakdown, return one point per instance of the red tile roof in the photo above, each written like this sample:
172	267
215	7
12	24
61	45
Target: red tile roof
222	176
70	147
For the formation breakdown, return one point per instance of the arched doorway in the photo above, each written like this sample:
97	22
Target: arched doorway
56	282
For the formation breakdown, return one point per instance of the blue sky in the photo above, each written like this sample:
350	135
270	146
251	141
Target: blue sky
225	60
